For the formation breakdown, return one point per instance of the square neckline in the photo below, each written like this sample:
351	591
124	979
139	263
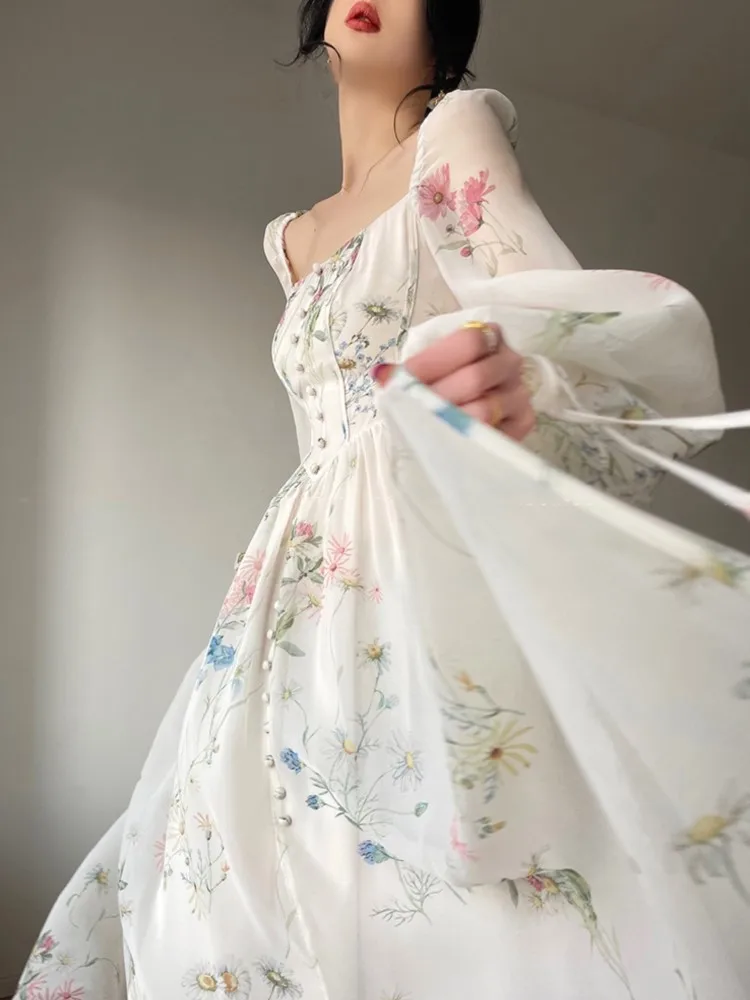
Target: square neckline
294	285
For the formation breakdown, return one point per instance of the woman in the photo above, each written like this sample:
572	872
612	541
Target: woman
424	751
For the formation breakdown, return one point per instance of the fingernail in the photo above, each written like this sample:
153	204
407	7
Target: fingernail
382	373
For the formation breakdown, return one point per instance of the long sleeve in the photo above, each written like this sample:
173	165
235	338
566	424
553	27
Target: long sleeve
621	344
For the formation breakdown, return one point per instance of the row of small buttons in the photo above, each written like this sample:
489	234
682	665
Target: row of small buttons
312	392
279	792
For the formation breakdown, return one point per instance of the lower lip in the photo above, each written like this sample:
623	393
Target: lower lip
362	24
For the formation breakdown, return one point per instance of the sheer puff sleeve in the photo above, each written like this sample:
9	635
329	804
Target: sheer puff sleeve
618	346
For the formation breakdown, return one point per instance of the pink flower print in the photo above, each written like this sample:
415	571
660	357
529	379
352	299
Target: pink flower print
659	283
257	561
69	992
536	883
458	845
467	251
376	595
47	943
160	848
435	196
471	199
242	592
336	564
303	529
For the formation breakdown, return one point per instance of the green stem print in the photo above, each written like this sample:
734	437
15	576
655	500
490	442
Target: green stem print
47	954
486	741
550	889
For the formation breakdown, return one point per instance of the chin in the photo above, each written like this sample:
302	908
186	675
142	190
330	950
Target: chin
363	57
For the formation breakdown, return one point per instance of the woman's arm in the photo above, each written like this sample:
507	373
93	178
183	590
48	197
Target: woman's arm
624	345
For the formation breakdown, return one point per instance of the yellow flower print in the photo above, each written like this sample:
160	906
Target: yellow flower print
280	982
708	844
289	693
635	414
201	982
725	570
495	751
230	979
466	682
406	767
503	749
345	750
375	654
234	980
98	876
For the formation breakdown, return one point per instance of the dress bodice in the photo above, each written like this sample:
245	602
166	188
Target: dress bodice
352	312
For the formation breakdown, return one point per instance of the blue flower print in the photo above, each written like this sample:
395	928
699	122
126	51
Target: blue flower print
291	759
315	802
218	656
372	853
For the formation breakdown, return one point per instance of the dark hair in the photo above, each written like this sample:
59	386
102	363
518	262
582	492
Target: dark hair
453	26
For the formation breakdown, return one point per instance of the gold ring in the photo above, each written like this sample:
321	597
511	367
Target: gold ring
490	333
497	413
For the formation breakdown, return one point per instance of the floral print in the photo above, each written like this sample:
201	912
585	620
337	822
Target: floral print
436	198
469	214
205	980
554	890
708	844
353	768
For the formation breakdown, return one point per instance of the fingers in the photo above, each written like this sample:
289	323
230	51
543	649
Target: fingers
480	378
464	347
500	407
519	427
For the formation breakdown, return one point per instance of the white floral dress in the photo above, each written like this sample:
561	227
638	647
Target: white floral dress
466	725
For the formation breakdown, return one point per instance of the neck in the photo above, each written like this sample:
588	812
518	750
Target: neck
366	118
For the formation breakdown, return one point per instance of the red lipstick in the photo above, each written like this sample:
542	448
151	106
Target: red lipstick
363	17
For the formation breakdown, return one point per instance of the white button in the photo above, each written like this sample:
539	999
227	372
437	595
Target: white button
270	762
267	728
315	470
270	634
321	442
266	698
285	820
320	415
312	391
277	606
317	268
295	338
279	793
268	664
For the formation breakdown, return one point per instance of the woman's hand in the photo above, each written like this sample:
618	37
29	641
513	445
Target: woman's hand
475	369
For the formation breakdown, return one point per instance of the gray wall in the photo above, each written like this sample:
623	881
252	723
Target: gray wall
143	148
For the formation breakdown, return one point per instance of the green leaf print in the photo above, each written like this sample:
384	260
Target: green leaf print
455	245
290	648
513	890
